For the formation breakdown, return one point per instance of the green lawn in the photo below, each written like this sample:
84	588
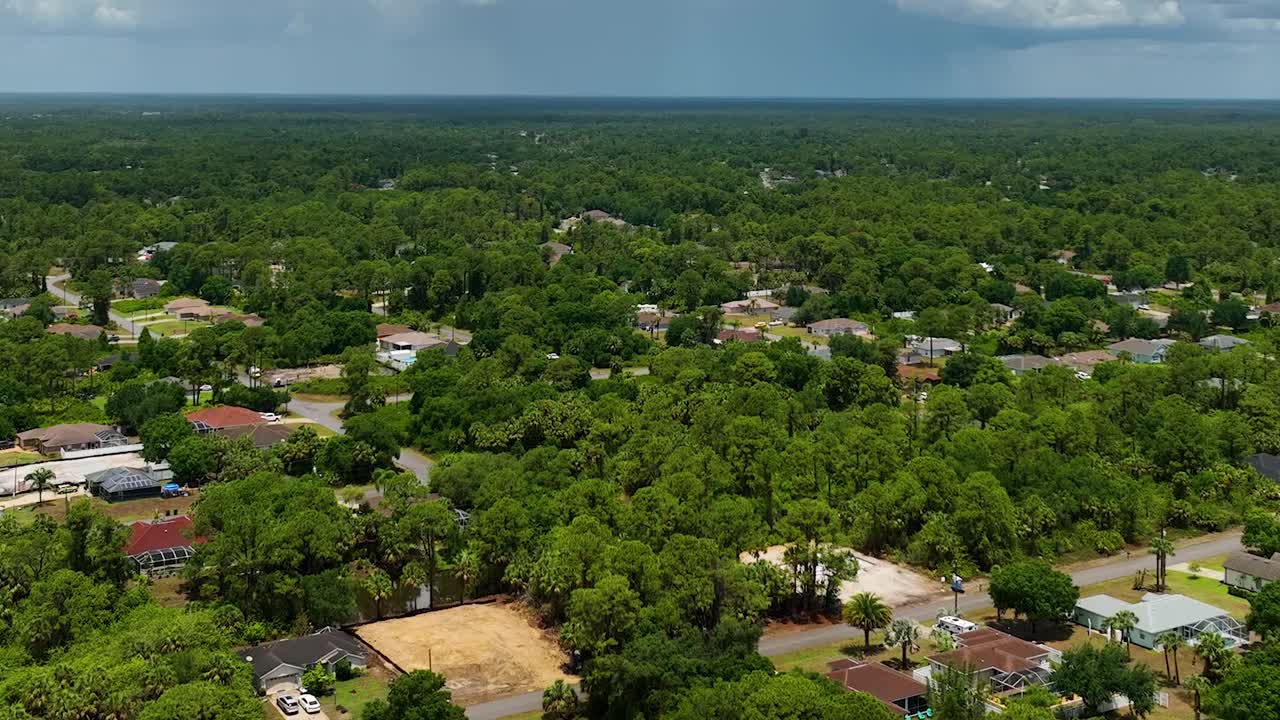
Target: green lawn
1201	588
173	327
14	458
352	695
1213	563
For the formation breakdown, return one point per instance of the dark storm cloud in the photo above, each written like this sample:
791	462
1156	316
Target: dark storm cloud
642	47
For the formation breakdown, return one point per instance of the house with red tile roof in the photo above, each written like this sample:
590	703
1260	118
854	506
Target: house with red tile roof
219	418
84	332
163	545
1009	665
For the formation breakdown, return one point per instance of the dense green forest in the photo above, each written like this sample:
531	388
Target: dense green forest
618	507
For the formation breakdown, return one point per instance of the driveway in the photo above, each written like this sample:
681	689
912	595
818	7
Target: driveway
325	413
300	715
56	286
1083	575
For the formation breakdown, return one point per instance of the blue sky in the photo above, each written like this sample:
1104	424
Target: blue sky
776	48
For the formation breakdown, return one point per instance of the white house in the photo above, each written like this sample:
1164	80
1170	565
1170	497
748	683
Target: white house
1159	614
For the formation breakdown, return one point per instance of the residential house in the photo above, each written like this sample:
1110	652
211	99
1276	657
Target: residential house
389	329
1132	299
122	483
1249	572
263	437
904	315
1273	308
1222	343
144	288
411	341
1066	256
247	319
556	251
930	348
75	436
278	666
222	418
903	694
162	546
1141	351
1267	465
651	321
1004	313
749	306
910	373
838	326
1008	665
1084	362
1159	614
742	335
13	307
84	332
1025	363
189	309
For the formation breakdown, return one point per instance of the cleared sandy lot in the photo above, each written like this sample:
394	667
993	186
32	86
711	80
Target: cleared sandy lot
483	651
895	584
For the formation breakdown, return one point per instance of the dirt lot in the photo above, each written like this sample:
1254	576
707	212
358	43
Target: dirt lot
125	511
895	584
483	651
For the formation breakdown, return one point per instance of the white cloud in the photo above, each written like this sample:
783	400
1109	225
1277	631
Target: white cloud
110	16
59	14
1053	14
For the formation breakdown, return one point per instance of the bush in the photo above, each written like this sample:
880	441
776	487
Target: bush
344	670
317	680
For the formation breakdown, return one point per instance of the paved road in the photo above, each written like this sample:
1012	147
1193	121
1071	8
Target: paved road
603	373
127	326
1088	574
324	413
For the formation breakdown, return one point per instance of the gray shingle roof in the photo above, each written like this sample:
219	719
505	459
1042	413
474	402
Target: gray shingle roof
1254	565
301	652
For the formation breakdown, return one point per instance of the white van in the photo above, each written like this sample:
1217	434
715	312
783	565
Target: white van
955	625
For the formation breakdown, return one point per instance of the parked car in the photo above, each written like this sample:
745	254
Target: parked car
287	704
553	356
113	338
255	372
270	417
309	704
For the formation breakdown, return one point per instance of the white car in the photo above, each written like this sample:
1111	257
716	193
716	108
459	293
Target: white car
309	704
255	371
1083	376
270	417
553	356
287	704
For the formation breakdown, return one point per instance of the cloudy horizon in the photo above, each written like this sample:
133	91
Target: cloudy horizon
651	48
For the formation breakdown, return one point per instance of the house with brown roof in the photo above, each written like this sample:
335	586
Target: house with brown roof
555	251
1009	665
189	309
73	436
249	319
742	335
903	694
749	306
1273	308
838	326
263	437
411	341
1086	361
84	332
221	418
389	329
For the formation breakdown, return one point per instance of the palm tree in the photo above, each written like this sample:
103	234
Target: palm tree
379	587
1162	548
559	702
867	612
40	480
903	633
1213	652
1123	622
1197	684
1172	642
1165	640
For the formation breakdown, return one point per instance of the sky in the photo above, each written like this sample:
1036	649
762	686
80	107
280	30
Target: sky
699	48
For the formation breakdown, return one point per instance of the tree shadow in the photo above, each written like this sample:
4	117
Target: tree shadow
1045	630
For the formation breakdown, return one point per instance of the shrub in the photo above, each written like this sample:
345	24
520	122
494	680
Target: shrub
343	670
317	680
